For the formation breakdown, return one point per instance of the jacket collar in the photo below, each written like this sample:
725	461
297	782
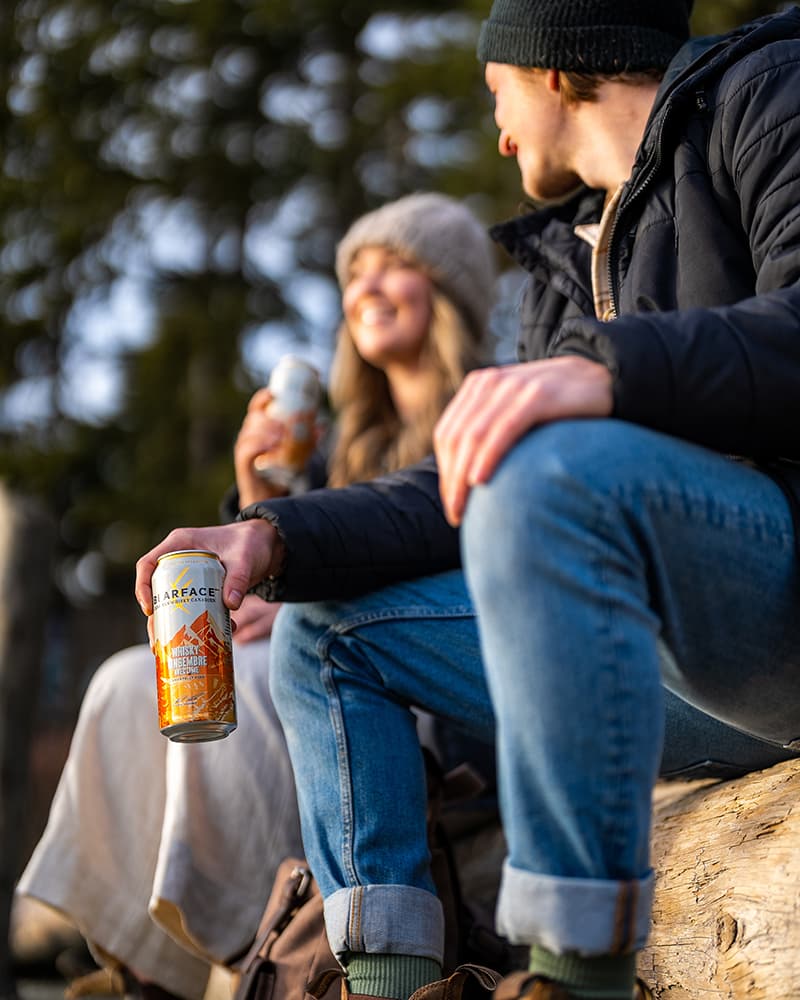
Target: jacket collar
546	236
702	61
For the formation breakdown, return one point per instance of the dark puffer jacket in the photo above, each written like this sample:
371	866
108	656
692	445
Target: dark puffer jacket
704	266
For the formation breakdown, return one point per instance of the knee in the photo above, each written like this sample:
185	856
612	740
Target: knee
558	475
127	677
294	662
286	632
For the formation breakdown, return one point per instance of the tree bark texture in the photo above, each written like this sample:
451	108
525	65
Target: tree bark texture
26	543
726	918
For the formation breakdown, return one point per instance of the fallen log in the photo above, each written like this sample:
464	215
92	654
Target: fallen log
726	917
726	914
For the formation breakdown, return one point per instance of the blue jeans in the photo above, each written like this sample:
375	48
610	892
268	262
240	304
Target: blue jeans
624	585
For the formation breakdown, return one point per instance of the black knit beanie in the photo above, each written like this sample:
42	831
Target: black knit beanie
587	36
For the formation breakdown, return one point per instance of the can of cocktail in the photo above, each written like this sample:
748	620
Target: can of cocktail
194	653
296	390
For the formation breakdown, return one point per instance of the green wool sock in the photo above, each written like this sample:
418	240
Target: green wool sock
395	976
607	977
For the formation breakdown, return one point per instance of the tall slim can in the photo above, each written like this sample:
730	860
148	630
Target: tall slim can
296	390
193	648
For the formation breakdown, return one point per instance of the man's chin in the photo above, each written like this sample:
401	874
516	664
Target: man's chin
550	200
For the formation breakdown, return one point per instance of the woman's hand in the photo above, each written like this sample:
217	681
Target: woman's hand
254	619
495	407
259	433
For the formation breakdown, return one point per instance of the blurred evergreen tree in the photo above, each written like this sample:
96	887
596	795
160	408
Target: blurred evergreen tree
214	150
210	152
714	16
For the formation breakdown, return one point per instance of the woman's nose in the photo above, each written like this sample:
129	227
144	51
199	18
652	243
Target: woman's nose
369	280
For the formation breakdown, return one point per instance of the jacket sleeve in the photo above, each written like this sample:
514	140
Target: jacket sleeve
727	377
345	541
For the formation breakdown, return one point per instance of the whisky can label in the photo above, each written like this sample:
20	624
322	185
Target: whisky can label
193	648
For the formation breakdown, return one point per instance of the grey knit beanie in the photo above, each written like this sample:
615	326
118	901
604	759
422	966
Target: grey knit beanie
587	36
443	236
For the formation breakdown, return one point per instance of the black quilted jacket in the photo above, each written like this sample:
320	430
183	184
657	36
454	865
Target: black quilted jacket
704	266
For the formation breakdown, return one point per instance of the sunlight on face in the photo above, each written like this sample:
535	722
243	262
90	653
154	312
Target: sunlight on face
532	122
387	307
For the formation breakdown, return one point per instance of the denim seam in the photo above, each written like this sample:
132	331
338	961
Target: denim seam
356	905
618	726
323	647
345	790
617	718
624	918
715	512
397	614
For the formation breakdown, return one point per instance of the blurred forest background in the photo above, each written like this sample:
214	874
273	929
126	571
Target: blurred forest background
175	175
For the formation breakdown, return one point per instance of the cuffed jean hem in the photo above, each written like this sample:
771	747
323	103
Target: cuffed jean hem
385	920
587	916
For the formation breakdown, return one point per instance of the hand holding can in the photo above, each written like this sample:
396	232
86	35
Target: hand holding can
296	393
193	648
260	433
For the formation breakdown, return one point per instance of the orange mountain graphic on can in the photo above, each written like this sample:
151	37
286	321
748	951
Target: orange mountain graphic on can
194	673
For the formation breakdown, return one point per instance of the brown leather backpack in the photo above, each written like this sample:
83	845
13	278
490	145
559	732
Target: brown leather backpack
291	949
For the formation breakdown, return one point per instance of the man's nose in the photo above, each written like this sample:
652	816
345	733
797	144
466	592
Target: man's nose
506	145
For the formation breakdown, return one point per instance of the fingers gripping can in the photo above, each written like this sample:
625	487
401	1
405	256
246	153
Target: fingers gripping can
296	390
194	652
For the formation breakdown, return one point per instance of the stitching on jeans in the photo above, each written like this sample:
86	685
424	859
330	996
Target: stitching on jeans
337	722
630	911
401	614
716	513
627	903
617	714
633	907
356	903
336	715
623	917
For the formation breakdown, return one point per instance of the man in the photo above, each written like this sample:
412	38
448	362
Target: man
627	496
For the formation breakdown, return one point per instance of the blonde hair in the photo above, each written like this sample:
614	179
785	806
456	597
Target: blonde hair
370	437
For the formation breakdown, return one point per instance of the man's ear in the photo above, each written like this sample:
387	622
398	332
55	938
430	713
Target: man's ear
553	80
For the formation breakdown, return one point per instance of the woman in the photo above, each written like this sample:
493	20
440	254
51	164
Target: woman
163	854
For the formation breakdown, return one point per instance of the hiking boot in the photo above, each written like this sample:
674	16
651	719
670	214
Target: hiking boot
468	982
526	986
99	982
474	982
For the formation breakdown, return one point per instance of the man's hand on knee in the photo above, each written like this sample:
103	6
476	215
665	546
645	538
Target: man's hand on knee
495	407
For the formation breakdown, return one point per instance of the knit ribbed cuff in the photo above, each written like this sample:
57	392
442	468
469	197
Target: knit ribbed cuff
391	976
597	978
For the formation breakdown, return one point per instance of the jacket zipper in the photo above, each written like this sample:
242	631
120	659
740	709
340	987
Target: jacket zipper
644	184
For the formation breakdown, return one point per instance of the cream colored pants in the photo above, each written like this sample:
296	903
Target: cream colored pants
163	854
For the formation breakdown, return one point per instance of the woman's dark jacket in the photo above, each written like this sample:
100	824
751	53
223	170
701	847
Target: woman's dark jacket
704	267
